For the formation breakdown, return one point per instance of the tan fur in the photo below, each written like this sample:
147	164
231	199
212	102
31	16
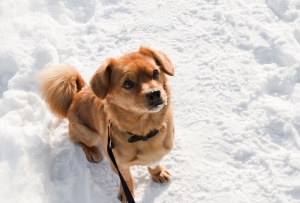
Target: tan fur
58	85
107	103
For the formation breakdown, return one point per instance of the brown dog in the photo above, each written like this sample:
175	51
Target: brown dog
130	95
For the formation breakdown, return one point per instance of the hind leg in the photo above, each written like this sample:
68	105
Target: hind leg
87	139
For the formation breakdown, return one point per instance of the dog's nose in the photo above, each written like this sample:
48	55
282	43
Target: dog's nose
153	96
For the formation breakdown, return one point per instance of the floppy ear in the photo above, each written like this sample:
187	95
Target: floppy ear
160	58
100	80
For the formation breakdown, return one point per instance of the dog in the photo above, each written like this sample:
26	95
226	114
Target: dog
128	98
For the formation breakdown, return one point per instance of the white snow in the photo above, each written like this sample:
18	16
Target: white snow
235	95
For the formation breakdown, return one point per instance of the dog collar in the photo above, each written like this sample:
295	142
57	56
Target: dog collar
135	138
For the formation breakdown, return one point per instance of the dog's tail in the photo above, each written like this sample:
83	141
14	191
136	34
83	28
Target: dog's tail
58	85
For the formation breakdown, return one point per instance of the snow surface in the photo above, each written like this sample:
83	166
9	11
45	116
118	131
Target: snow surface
236	97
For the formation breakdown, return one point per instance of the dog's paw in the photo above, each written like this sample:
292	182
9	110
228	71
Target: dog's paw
122	196
93	155
96	158
162	176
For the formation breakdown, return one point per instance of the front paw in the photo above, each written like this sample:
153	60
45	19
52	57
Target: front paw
122	196
160	174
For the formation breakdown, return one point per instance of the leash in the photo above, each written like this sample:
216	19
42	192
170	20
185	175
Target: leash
112	158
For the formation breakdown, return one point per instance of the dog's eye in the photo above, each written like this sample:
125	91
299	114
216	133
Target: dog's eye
128	84
155	74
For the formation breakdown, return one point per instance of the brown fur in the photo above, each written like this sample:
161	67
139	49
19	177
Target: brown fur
106	102
61	81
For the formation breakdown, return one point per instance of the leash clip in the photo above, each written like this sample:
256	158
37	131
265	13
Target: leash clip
110	144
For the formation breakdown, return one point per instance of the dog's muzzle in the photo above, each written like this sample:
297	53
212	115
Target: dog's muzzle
154	99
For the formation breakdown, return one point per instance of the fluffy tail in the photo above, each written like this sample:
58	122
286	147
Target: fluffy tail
58	85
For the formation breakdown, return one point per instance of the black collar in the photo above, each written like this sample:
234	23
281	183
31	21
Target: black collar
135	138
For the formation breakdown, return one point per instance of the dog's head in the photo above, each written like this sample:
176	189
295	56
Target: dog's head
136	81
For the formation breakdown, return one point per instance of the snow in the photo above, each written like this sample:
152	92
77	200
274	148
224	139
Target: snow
235	96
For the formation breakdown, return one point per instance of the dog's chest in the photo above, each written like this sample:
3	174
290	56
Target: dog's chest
146	153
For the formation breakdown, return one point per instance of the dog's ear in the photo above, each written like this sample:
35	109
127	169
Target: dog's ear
100	80
160	58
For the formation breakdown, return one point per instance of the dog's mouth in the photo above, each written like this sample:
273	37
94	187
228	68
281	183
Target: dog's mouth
156	106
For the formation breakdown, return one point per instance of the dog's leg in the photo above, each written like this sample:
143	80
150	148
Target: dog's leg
125	171
87	139
159	174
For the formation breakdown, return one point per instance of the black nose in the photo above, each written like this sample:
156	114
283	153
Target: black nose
153	96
